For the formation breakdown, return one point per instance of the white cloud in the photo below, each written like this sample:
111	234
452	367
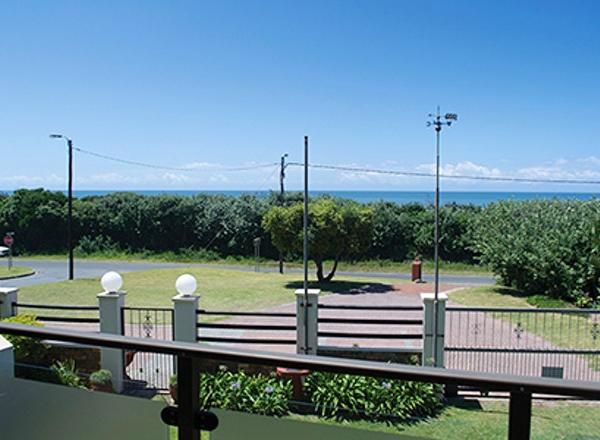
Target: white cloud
461	168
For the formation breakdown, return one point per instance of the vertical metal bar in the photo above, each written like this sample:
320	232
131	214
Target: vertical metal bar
188	397
519	416
305	221
70	210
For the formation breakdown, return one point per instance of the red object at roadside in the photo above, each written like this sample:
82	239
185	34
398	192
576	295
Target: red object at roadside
8	240
296	377
417	268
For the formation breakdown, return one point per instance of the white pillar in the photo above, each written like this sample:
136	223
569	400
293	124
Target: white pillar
310	332
186	317
7	362
428	329
111	321
8	296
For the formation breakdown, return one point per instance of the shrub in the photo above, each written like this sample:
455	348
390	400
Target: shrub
542	247
26	349
93	245
346	396
101	377
239	391
67	374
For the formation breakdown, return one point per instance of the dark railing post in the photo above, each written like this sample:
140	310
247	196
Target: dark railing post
188	397
519	416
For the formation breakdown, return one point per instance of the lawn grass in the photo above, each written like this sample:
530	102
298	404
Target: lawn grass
220	289
15	271
485	420
488	420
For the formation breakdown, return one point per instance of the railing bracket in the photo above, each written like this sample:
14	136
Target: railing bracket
203	420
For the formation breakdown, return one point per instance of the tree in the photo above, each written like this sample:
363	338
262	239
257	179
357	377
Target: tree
337	229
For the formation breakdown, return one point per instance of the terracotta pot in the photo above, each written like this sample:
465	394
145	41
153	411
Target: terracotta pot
104	387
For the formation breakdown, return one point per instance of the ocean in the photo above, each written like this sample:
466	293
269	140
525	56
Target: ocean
401	197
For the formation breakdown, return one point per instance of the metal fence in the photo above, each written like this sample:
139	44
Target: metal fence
143	369
271	328
386	324
562	343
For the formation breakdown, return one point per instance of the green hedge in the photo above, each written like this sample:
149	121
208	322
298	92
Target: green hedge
548	247
213	225
540	247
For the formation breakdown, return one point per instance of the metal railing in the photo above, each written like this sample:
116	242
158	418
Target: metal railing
54	307
189	420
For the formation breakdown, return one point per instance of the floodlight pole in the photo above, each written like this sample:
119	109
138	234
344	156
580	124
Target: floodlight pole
437	123
305	247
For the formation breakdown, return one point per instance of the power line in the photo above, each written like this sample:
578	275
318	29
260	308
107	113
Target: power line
446	176
168	168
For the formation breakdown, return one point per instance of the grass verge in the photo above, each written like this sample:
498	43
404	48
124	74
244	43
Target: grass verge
16	271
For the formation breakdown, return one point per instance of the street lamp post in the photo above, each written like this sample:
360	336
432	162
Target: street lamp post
70	202
437	124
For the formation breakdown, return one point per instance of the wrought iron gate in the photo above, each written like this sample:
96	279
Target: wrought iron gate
148	370
561	343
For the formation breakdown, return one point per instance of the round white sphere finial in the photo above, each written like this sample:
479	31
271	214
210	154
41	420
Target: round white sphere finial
111	281
186	285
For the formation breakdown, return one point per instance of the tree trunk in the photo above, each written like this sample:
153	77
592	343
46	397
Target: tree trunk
321	278
332	272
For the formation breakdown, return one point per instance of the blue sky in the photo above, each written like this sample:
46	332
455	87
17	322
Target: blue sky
206	85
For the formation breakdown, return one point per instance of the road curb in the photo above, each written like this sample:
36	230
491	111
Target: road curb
23	275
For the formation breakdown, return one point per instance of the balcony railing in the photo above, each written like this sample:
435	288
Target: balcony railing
189	418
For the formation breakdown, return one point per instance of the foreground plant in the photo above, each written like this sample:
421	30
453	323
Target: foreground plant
345	396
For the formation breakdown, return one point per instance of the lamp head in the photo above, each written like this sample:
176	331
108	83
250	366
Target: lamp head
186	285
111	282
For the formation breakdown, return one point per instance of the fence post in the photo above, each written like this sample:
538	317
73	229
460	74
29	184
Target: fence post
111	321
8	296
185	319
429	344
308	333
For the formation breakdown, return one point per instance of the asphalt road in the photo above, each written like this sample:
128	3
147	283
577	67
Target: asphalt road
49	271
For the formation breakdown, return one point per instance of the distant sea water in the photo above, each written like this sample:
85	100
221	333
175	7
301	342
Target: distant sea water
401	197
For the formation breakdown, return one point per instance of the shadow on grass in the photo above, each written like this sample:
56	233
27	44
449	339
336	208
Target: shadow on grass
508	291
540	301
466	404
344	287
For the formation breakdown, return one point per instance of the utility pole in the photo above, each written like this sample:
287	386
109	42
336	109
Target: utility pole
437	124
70	203
282	200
